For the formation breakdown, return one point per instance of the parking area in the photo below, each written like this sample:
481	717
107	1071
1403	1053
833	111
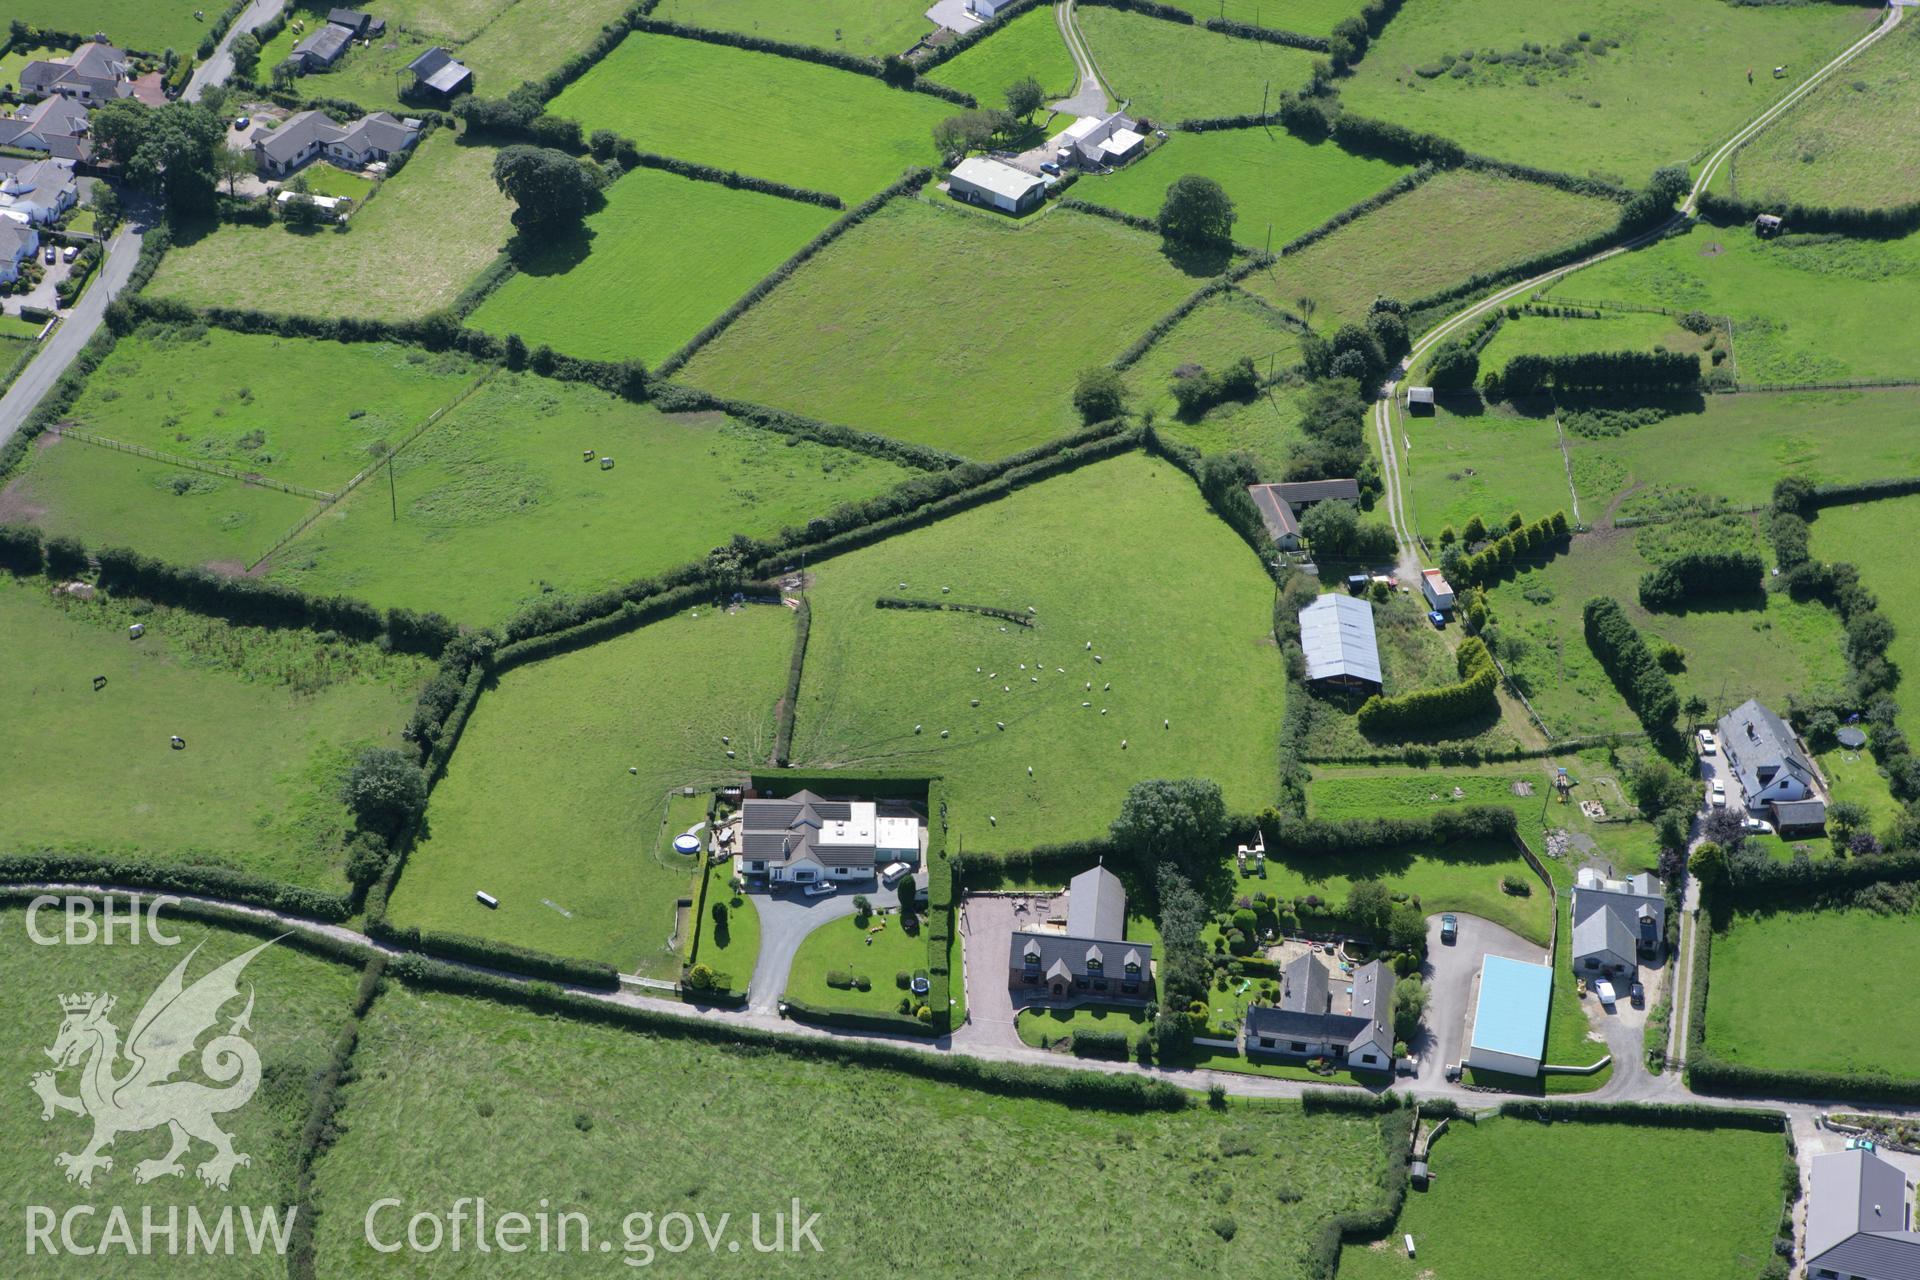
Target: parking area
1452	972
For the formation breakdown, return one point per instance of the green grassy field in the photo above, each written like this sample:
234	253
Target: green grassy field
411	250
1826	151
1711	1198
1878	537
106	498
1840	971
1267	427
1658	82
1179	593
731	951
301	411
1309	17
300	1003
1402	795
1767	647
1280	185
1030	45
496	506
150	26
369	75
1213	336
1453	226
1613	331
659	261
978	356
1468	459
549	749
868	28
503	1092
534	38
271	721
1804	308
1171	72
875	948
1463	876
1829	437
681	97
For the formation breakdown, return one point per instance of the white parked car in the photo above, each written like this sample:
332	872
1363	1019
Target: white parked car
1604	990
1757	827
820	890
1717	794
69	253
891	873
1708	743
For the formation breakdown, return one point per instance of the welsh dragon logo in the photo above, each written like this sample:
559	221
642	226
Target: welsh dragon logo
131	1089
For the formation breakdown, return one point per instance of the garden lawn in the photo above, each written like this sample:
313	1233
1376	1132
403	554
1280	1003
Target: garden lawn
1178	594
106	498
731	951
14	62
271	718
538	805
1468	458
1308	17
1710	1198
1856	776
1611	331
1658	81
683	98
865	28
149	26
1804	308
1458	224
665	256
1030	45
1213	336
1830	150
1843	973
1878	538
297	410
1053	1025
1169	71
507	1095
497	508
1280	185
1462	876
300	1004
1339	796
1827	436
411	250
875	948
329	180
1766	646
946	327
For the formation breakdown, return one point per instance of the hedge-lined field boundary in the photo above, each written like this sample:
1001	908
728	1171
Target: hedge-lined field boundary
324	1100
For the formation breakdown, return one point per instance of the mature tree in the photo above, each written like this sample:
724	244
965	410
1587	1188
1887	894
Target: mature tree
968	131
1185	970
385	790
167	151
1024	97
1407	929
1331	528
1709	865
246	55
367	856
303	211
1409	1003
1454	366
1369	906
1358	339
1180	821
1196	211
1659	788
231	166
550	188
1099	394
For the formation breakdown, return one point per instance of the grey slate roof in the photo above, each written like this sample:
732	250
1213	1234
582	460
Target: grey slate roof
325	44
1859	1218
1603	932
437	70
1336	632
1755	741
1096	905
15	239
1275	512
1056	950
295	134
1305	1009
1642	896
382	131
782	830
1799	813
1299	491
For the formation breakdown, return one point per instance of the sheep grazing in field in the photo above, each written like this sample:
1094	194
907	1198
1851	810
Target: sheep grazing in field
1029	771
1166	724
1123	744
916	728
999	724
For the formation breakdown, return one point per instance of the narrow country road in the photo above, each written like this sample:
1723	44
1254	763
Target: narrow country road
1090	99
1383	410
76	329
217	68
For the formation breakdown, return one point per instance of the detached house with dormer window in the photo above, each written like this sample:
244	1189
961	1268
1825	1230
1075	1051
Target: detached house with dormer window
1091	959
1617	924
1775	775
806	839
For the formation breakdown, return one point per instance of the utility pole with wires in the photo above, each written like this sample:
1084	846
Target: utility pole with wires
393	493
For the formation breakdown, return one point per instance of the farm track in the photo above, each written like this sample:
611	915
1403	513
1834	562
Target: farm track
1411	547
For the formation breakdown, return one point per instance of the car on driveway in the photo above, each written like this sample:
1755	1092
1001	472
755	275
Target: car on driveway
1604	990
1717	794
1449	928
1437	618
820	890
1756	826
891	873
69	253
52	253
1638	994
1708	743
242	122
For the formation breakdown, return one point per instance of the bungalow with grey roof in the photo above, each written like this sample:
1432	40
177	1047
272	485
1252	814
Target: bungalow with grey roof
806	838
1091	957
38	192
1312	1020
1860	1219
19	241
309	135
94	72
1773	769
56	125
1617	924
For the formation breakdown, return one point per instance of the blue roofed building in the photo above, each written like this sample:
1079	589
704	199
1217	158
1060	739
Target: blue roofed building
1510	1017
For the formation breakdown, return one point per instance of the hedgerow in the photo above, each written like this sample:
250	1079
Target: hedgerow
1475	694
1630	663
